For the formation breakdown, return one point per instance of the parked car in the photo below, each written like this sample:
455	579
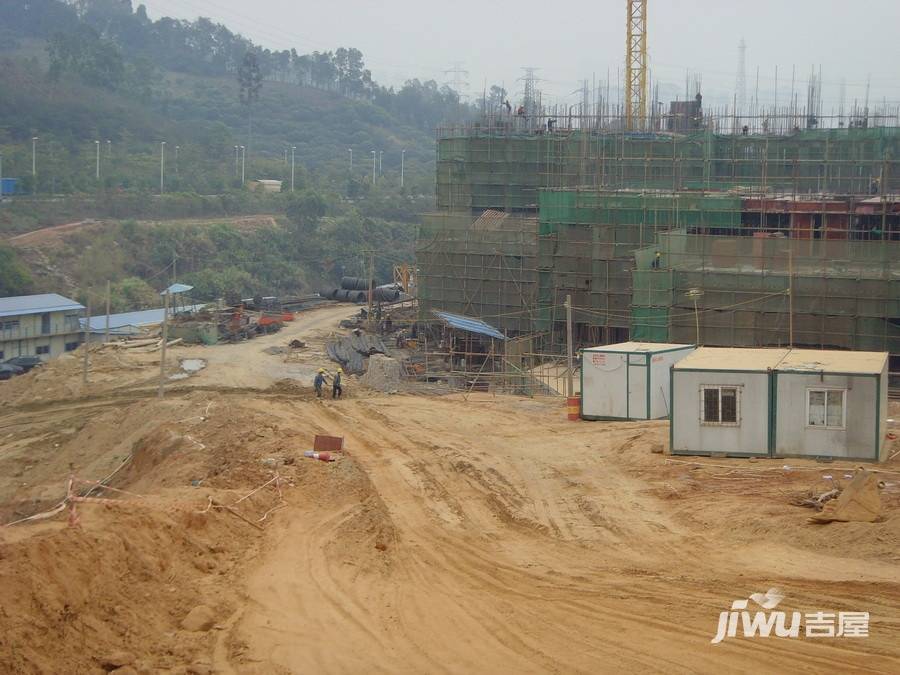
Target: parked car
7	370
26	363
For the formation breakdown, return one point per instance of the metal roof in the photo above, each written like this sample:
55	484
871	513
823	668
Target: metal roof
37	304
146	317
833	361
469	324
177	288
642	347
783	360
732	358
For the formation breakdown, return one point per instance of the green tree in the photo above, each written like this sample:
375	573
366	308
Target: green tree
14	276
250	82
305	211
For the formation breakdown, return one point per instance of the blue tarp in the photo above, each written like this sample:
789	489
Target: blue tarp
470	325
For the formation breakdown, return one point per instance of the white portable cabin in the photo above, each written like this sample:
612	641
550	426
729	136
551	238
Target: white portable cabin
831	404
780	403
720	402
629	380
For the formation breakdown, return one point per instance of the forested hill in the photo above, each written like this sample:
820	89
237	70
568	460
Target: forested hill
72	73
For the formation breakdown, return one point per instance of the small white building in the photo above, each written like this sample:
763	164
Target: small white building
780	403
265	185
629	380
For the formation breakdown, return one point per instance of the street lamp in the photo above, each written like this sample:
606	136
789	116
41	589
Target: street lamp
293	147
243	162
162	167
108	148
695	294
34	140
374	165
402	158
236	155
350	150
380	157
97	146
177	148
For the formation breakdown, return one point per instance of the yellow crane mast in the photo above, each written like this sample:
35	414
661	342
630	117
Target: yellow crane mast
636	66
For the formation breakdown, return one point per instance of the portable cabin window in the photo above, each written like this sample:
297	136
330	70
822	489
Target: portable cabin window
720	405
826	408
42	349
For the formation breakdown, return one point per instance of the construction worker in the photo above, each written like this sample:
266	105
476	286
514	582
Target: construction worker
319	382
336	389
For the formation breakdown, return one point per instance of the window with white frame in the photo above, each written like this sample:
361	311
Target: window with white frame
826	408
720	405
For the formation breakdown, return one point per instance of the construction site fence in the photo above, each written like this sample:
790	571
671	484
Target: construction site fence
502	371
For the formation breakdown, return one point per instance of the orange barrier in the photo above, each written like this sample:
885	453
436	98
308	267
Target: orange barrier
573	405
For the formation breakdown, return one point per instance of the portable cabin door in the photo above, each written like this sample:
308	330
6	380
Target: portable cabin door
637	386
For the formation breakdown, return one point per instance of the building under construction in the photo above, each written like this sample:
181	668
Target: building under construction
742	232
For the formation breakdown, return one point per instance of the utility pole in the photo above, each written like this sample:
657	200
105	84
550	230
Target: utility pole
243	162
106	338
34	140
374	165
371	286
570	355
97	145
87	337
790	292
162	349
402	157
162	167
293	148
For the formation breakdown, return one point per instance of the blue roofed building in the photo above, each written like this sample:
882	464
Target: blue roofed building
44	325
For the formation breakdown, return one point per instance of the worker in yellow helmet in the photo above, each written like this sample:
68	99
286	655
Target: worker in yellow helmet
319	382
336	389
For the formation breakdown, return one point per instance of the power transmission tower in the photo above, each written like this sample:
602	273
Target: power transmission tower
459	83
636	65
530	98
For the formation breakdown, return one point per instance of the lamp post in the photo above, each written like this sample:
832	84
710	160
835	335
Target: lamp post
350	150
243	162
402	161
293	148
380	157
236	155
108	148
374	165
162	167
177	148
34	140
97	146
695	294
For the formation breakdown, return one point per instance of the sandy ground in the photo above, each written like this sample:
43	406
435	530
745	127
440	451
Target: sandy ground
485	534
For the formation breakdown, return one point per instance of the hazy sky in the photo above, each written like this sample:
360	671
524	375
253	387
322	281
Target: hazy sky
570	41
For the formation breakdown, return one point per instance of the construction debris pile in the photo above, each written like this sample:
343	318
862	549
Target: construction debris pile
353	351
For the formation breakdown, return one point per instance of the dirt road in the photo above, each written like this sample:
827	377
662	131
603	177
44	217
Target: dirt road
494	537
479	535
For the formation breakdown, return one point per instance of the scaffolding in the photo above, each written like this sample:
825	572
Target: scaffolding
504	164
634	263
